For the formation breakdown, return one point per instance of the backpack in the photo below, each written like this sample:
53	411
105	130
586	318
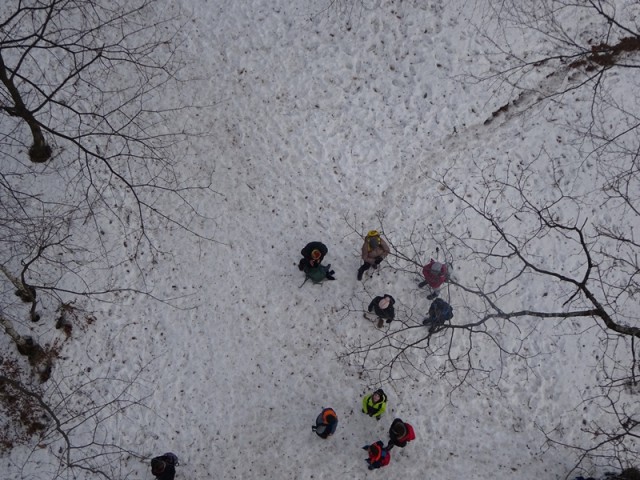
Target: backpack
442	310
317	274
372	235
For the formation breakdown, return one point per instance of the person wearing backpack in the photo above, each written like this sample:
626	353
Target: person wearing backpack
435	274
164	466
382	306
374	404
326	423
378	455
374	250
439	312
400	433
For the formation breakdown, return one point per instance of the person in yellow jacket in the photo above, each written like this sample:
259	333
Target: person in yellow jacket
375	404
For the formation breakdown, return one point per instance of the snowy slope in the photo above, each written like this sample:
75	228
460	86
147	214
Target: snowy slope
319	120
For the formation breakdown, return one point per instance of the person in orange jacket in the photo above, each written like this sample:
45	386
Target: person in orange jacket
378	455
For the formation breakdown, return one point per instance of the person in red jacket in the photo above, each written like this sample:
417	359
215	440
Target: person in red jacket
400	433
435	274
378	455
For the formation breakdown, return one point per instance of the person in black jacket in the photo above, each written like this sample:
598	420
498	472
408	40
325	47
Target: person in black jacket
382	307
164	466
312	255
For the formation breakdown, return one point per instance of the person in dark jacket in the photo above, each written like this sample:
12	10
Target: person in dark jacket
164	466
439	312
374	251
312	255
326	423
378	455
382	306
400	433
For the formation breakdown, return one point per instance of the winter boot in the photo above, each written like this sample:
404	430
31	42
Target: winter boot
361	270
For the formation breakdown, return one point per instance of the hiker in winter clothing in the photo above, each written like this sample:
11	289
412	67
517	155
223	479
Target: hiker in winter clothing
164	466
627	474
382	306
378	455
439	312
435	274
312	255
326	423
374	404
400	433
374	251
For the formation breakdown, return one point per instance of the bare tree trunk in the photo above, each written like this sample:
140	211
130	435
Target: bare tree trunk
27	346
40	151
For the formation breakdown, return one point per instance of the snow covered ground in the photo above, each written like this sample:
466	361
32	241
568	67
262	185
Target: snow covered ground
322	118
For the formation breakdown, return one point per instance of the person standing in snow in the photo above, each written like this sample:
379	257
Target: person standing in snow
378	455
164	466
439	312
400	433
627	474
374	404
326	423
382	306
435	274
374	251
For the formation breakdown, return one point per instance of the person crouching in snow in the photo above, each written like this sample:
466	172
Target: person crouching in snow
375	404
312	255
326	423
400	433
378	455
435	274
374	251
382	306
164	466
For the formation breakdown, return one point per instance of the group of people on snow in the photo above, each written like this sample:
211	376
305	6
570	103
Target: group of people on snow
374	405
380	310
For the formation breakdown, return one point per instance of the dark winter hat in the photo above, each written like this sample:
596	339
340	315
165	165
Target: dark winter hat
398	429
374	242
629	474
157	466
380	392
